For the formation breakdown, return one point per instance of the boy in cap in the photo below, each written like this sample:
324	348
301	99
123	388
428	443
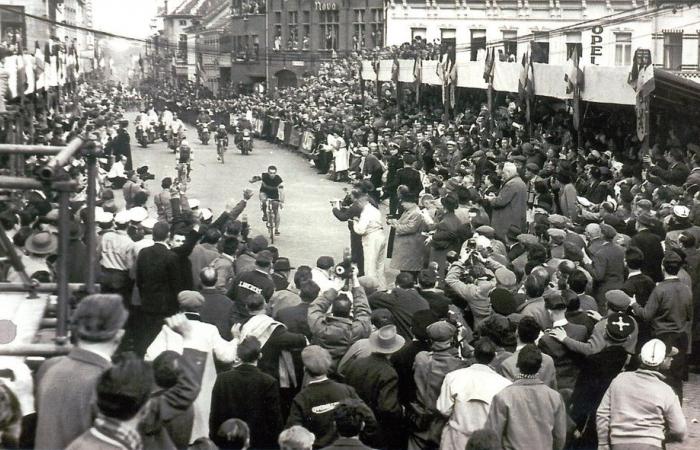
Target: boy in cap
639	410
97	324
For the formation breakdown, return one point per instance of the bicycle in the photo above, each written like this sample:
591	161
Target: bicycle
272	218
183	174
221	147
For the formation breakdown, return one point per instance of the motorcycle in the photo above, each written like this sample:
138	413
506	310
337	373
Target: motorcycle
246	142
204	133
151	132
175	141
141	136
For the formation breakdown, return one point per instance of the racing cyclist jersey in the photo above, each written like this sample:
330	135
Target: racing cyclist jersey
270	185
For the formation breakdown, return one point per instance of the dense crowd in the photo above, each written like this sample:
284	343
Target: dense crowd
505	287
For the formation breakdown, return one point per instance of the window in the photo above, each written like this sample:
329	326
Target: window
418	33
377	17
540	48
510	44
673	51
293	41
183	23
277	43
573	42
358	29
12	27
330	28
182	48
306	37
623	49
478	43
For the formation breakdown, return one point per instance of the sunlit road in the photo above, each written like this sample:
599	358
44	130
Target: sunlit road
308	227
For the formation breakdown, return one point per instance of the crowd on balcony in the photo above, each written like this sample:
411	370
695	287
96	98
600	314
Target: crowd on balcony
544	293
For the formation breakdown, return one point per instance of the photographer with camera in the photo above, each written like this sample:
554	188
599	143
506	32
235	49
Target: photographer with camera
347	209
473	276
347	322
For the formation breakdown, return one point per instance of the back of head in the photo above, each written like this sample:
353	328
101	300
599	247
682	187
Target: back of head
124	388
348	416
528	330
309	291
211	236
485	439
484	350
161	231
99	317
317	361
229	245
208	276
578	281
300	276
529	360
167	369
342	306
233	434
427	279
254	302
248	350
405	280
534	286
296	438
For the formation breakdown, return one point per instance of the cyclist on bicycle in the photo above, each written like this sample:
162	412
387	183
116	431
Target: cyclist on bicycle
221	135
271	188
185	156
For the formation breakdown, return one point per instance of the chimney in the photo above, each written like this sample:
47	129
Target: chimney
166	7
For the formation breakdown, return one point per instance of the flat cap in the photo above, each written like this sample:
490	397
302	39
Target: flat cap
441	331
99	317
191	301
325	262
618	300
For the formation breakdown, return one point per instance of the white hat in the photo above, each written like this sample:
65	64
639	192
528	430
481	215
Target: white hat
122	217
138	214
206	214
148	223
102	216
681	211
653	353
194	203
583	201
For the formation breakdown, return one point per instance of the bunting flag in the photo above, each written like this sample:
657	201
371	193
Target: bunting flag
417	74
526	84
447	72
21	75
395	79
39	67
30	74
201	74
375	66
490	65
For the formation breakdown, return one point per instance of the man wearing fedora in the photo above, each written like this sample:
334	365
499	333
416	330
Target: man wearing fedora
376	382
639	410
37	248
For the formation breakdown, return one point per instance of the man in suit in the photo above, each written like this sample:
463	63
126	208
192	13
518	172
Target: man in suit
64	403
606	266
351	209
160	277
247	393
217	307
650	244
376	382
410	178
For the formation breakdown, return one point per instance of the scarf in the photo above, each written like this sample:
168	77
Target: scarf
113	429
261	327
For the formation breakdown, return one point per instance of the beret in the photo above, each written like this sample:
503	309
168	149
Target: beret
619	327
502	301
325	262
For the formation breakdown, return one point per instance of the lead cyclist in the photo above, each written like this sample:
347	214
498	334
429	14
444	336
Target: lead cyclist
271	188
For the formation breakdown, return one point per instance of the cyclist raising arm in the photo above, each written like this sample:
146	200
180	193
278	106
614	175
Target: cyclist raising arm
271	188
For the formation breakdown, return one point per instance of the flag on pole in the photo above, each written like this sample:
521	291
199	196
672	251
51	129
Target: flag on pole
395	67
39	66
574	74
641	78
526	84
490	65
201	74
418	74
447	72
21	75
375	66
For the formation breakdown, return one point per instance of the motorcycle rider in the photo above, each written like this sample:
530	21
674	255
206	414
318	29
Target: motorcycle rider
177	129
185	156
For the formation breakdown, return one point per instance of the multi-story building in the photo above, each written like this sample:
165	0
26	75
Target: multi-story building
275	42
214	65
604	32
14	26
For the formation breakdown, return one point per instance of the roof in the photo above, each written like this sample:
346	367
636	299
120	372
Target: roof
675	91
196	7
217	18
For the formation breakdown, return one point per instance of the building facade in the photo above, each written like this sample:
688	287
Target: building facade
551	29
276	42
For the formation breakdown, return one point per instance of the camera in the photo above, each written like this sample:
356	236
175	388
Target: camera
344	269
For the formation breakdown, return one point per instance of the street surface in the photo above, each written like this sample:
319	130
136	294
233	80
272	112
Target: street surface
308	228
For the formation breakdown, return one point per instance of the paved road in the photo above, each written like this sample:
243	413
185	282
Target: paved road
308	227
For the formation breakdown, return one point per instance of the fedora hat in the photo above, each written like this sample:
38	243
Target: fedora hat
42	243
385	340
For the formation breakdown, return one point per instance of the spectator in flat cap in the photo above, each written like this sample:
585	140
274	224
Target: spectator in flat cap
429	371
605	263
97	325
510	205
313	407
528	414
215	347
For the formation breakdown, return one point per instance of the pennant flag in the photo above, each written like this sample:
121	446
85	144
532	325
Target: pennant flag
489	65
526	84
417	74
21	75
447	72
30	74
574	74
375	66
39	67
641	78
